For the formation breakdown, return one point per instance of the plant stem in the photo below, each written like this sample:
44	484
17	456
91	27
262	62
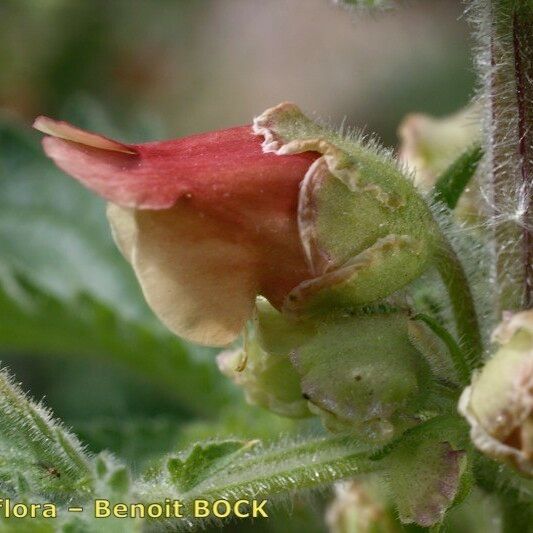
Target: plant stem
506	63
523	56
267	472
456	282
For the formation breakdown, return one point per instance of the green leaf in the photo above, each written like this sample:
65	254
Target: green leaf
203	461
112	478
141	442
136	441
87	523
453	181
35	525
249	422
36	322
40	460
33	445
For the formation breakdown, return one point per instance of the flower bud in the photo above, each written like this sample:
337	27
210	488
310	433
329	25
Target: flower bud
361	373
268	380
429	145
499	402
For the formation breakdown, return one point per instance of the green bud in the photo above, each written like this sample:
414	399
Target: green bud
277	333
362	373
499	402
268	380
365	229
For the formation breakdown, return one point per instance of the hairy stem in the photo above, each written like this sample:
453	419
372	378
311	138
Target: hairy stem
268	472
506	63
456	282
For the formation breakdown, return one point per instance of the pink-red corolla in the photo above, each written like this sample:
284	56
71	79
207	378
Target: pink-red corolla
208	222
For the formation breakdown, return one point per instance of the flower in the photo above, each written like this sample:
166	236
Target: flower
207	221
285	209
499	403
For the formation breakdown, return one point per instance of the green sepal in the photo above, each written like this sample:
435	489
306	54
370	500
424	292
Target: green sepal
277	333
453	181
428	470
365	229
369	277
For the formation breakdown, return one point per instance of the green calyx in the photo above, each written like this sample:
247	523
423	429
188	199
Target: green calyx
365	230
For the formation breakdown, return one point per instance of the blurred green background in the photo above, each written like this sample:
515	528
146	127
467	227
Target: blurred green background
73	326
